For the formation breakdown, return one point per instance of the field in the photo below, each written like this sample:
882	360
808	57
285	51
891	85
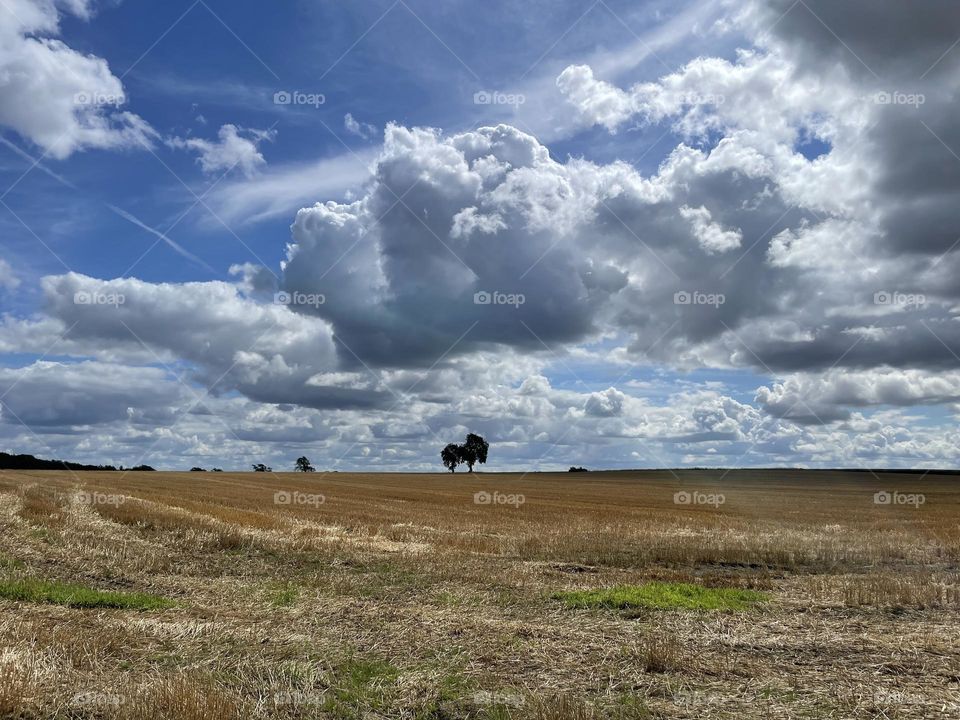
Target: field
761	594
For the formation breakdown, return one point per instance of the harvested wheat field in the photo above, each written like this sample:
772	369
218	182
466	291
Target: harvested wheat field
758	594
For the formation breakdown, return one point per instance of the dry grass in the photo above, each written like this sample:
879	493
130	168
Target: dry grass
16	688
206	531
399	597
905	589
181	697
661	653
41	505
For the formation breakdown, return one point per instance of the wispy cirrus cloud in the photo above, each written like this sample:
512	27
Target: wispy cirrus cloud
281	190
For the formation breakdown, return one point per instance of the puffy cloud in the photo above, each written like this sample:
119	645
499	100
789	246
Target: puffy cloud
597	102
712	237
355	127
54	96
237	148
707	94
447	218
605	404
827	397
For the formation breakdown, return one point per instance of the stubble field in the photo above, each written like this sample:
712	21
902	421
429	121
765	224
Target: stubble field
761	594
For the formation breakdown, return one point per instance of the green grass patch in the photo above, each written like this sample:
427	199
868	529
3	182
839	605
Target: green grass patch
77	596
358	685
662	596
284	595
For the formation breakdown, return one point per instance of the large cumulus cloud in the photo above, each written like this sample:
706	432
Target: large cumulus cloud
446	218
590	248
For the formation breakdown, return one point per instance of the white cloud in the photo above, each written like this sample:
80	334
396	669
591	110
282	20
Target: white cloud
237	148
711	236
821	398
360	129
605	404
54	96
646	49
597	102
234	341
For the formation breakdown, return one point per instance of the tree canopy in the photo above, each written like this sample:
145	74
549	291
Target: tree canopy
303	464
473	450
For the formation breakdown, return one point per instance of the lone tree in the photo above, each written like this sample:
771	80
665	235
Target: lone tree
303	464
451	456
260	467
473	451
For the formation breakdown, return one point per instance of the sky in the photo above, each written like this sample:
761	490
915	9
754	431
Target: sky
619	234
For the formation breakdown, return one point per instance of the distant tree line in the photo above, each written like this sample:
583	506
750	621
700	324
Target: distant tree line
29	462
302	465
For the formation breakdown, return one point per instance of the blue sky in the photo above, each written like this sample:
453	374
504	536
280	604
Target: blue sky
598	159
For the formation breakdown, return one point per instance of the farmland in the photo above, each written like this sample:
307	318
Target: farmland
749	594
